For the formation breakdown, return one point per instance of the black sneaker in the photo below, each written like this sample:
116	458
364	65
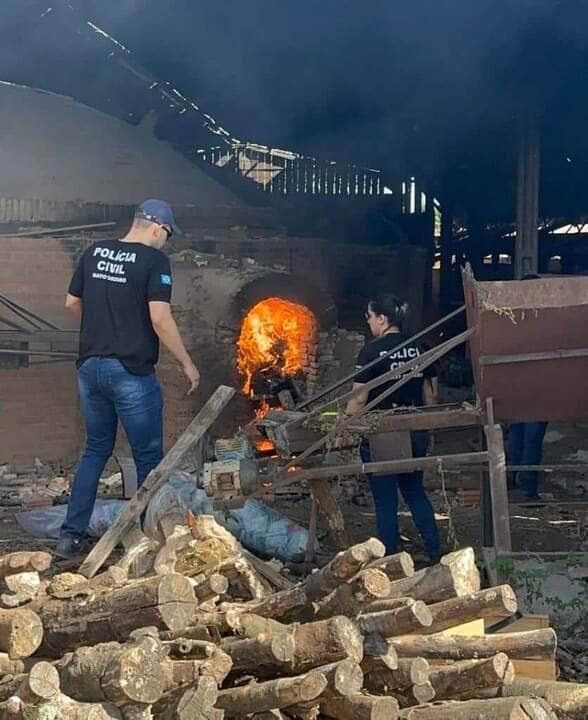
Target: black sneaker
70	547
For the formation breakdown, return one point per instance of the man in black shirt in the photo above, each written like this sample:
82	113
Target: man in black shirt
384	316
121	291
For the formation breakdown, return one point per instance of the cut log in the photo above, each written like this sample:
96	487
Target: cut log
498	601
267	571
279	693
12	709
165	560
390	604
521	708
411	671
300	648
156	479
415	695
280	605
536	644
404	620
195	703
163	602
194	632
123	674
396	566
240	569
251	625
378	653
422	693
210	587
65	708
9	666
344	678
266	656
140	553
331	510
24	582
360	707
18	562
227	622
327	640
568	700
21	633
351	597
64	586
213	661
455	575
343	567
40	683
464	676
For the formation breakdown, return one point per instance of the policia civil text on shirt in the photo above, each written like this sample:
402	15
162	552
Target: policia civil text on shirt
121	291
384	315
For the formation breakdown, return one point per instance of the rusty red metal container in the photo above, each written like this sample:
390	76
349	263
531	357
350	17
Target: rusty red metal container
530	351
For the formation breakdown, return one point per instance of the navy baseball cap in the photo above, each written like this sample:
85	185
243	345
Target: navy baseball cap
158	211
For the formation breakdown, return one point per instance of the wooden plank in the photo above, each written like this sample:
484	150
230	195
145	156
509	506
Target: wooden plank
156	479
545	669
432	420
475	628
536	669
498	488
328	504
529	357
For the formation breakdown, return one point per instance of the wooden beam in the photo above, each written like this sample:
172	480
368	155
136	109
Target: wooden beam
498	486
532	357
156	479
424	420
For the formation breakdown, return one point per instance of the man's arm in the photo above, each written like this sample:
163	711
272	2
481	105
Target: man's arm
356	403
167	331
74	305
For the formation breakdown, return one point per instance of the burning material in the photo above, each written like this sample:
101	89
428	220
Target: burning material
276	342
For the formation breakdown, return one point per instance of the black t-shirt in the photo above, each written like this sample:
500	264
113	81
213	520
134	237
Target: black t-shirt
116	280
410	394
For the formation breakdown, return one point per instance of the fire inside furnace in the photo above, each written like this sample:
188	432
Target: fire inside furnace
277	343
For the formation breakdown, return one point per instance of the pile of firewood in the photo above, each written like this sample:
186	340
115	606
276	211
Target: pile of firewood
215	633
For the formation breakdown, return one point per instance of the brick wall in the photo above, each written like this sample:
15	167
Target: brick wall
38	404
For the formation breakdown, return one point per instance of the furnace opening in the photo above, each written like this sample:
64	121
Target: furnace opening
277	344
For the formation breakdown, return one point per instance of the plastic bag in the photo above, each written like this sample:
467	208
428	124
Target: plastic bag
258	527
46	522
268	532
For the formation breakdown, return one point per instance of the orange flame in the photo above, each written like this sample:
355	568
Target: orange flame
276	333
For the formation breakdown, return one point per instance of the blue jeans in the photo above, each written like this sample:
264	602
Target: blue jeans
109	392
384	490
525	447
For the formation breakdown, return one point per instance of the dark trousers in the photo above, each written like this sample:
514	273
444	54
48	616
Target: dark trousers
385	489
525	447
108	392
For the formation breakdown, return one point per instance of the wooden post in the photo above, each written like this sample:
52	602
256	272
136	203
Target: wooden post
327	502
312	531
498	487
526	244
156	479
